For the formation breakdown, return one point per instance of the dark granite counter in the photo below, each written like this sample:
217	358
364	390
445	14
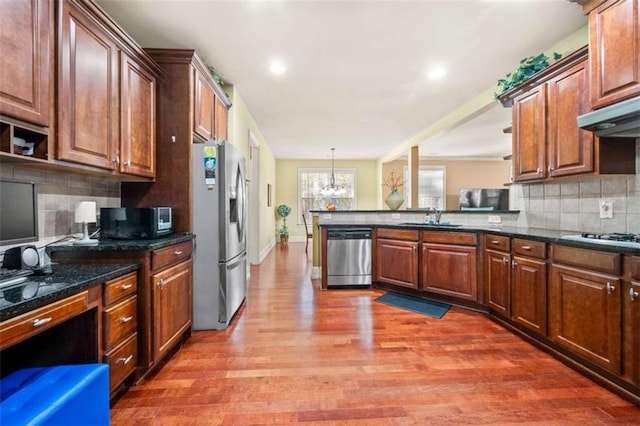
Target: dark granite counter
125	245
65	280
537	234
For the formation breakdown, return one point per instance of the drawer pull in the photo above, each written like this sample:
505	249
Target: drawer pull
526	248
126	319
177	252
126	286
494	241
40	322
124	361
633	294
610	288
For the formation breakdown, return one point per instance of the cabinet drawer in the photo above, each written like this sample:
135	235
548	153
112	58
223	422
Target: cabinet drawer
589	259
497	242
122	361
460	238
530	248
26	325
119	321
120	288
170	255
398	234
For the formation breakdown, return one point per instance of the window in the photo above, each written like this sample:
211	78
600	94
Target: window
312	181
431	187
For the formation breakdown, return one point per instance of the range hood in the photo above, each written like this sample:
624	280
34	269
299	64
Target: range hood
620	120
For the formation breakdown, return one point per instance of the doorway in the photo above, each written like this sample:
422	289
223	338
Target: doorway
253	178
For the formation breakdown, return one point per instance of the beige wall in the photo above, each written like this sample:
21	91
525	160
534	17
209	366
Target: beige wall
240	123
460	174
287	187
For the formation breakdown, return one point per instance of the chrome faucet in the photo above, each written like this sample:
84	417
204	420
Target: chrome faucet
438	216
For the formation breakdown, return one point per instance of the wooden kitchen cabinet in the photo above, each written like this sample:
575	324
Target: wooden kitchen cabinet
449	265
204	107
396	259
221	120
106	94
498	274
631	320
585	305
26	34
529	293
529	135
173	301
614	42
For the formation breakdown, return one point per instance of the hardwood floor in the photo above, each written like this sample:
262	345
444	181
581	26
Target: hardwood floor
296	354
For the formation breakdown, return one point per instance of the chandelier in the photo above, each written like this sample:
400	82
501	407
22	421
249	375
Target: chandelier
332	190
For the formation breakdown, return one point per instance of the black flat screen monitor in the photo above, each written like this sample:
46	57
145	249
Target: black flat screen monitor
18	212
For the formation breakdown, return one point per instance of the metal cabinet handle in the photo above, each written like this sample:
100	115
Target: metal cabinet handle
177	252
526	248
514	264
494	241
126	286
505	260
633	294
127	163
550	169
539	170
123	360
126	319
161	283
610	288
40	322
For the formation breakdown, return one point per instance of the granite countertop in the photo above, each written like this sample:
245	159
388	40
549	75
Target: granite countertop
65	280
537	234
125	245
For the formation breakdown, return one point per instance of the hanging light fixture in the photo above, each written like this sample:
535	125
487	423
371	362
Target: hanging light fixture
332	190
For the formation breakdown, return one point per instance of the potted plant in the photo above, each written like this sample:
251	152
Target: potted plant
284	211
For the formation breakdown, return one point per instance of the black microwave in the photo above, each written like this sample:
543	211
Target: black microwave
140	223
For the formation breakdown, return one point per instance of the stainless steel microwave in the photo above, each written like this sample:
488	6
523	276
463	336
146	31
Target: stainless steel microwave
140	223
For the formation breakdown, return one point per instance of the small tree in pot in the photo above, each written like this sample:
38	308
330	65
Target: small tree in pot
284	211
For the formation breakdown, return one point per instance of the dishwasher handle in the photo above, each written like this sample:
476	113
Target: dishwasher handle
360	234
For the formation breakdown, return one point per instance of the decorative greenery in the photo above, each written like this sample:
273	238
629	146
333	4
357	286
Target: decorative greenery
284	211
393	182
528	67
216	76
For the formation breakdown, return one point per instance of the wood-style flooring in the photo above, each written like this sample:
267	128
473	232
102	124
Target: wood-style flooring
296	354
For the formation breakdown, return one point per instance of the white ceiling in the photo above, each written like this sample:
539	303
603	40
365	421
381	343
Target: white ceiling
356	70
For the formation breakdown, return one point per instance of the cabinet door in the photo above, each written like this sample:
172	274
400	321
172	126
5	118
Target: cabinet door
631	333
397	262
25	34
172	305
614	44
138	137
449	270
584	314
529	294
88	91
221	116
529	135
498	282
570	149
203	109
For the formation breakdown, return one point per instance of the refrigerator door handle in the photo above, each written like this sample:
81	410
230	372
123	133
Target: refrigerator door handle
232	264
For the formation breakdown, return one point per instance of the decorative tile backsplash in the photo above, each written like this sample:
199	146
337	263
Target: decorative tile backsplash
574	205
58	194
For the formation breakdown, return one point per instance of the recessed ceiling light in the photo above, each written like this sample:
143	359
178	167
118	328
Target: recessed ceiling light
436	73
277	68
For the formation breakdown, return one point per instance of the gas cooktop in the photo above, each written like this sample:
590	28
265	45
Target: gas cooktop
613	239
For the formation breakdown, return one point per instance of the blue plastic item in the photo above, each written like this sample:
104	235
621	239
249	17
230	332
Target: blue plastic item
63	395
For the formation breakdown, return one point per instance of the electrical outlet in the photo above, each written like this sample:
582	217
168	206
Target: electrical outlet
326	215
395	216
495	219
606	210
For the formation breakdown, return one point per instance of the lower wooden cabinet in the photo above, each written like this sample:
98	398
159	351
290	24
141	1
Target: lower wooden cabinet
397	262
450	270
172	301
585	314
498	282
529	293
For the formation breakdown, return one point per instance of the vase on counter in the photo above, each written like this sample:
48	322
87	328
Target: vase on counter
394	200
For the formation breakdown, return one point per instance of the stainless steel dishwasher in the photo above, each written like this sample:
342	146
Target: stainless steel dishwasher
348	257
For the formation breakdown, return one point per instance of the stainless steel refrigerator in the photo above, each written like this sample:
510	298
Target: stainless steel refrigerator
219	223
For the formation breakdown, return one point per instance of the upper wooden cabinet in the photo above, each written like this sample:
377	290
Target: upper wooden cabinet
614	41
106	94
25	35
222	121
204	105
529	135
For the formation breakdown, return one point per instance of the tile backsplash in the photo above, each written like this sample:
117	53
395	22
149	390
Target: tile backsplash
58	194
574	205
